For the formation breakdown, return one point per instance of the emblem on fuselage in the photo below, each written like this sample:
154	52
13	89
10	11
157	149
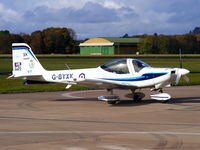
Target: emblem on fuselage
82	76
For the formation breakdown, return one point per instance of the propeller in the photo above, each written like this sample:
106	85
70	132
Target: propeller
186	78
181	72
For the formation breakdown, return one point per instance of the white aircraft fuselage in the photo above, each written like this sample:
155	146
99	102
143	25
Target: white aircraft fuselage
126	73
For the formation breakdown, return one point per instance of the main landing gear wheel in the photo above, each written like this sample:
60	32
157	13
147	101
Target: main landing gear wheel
137	96
165	102
110	98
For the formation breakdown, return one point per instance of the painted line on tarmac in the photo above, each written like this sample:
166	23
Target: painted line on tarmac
75	148
70	94
99	132
103	122
110	147
113	147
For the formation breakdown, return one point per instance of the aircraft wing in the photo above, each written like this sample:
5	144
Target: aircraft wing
95	83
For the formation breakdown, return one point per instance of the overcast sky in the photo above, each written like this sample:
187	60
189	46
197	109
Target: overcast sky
101	18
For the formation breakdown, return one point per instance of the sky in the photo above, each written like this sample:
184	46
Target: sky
101	18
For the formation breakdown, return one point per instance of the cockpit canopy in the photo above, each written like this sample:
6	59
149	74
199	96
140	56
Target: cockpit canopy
121	66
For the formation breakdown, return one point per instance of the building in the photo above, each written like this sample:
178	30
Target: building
109	46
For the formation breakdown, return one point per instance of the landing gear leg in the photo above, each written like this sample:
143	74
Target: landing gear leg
110	91
160	90
164	101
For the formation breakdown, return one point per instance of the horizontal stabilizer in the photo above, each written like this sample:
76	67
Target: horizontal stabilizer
36	82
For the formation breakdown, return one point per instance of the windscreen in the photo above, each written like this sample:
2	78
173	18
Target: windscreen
116	66
139	65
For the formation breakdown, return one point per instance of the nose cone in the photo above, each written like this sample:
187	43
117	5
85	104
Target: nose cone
183	71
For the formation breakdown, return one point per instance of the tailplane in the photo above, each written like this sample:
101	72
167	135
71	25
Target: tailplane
25	63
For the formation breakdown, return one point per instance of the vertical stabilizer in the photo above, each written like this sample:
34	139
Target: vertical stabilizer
25	63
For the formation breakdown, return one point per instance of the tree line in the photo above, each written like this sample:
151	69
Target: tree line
170	44
63	41
47	41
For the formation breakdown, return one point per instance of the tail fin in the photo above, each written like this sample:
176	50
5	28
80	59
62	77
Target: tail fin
25	63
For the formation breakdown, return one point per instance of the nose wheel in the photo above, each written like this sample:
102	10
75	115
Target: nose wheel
162	97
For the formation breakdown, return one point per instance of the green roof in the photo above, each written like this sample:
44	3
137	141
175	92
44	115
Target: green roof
124	40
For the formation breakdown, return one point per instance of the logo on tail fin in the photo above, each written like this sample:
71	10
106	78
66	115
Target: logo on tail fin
31	64
18	66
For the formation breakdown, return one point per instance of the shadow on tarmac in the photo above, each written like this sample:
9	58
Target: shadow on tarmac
186	100
123	103
130	103
77	99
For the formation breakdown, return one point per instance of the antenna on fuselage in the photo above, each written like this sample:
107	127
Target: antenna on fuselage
67	66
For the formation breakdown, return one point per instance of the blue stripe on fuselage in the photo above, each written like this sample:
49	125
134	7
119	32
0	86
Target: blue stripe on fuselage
145	76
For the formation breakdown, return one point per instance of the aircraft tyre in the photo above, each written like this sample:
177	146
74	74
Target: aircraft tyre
165	102
137	97
112	102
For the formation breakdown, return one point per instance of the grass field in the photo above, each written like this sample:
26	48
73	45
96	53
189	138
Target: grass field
15	85
121	55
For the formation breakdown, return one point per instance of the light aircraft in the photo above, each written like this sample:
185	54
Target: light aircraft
124	73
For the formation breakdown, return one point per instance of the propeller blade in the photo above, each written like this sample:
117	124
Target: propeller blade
178	77
186	78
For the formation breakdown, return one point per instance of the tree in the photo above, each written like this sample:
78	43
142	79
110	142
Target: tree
59	40
37	42
5	42
198	43
71	40
195	31
125	35
27	38
16	38
188	43
165	44
50	40
150	44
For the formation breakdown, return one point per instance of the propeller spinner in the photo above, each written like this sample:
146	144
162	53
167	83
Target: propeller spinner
181	72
